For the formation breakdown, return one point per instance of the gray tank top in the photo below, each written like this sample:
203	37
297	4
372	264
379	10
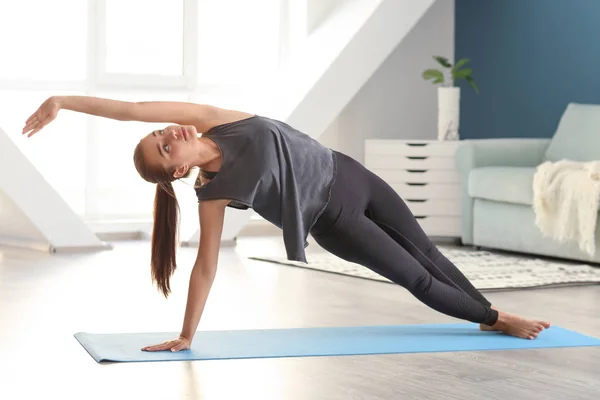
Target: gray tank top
281	173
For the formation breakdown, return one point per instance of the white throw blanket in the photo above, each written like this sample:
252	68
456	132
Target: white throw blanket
565	201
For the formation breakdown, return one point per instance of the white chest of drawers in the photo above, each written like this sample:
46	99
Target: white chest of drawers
423	173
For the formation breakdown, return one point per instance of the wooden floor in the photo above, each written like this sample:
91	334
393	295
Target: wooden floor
45	299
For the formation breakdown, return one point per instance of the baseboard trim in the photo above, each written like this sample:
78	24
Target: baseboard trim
120	236
82	249
46	247
224	243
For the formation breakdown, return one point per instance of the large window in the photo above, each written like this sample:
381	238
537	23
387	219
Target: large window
144	37
43	40
211	51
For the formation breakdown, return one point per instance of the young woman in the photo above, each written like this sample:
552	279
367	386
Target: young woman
250	161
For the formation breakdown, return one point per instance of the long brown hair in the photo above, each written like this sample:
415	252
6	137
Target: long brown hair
166	218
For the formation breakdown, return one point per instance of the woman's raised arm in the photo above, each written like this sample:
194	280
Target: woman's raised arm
181	113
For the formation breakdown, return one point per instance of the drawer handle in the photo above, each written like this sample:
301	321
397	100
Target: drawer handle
420	171
417	200
420	216
416	184
417	157
416	144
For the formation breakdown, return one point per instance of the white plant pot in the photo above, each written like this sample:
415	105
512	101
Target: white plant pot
448	113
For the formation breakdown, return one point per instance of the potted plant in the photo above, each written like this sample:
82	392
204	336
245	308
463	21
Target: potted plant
448	94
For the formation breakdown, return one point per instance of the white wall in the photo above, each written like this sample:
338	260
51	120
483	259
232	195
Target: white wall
396	102
32	212
317	11
15	224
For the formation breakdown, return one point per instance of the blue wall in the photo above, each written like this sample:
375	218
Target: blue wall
530	58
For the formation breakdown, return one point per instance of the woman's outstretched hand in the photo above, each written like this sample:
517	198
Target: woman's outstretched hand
178	344
42	117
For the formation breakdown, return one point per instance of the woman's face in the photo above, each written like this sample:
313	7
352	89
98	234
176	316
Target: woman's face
175	148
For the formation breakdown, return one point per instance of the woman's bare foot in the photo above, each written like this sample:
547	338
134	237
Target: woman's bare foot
518	326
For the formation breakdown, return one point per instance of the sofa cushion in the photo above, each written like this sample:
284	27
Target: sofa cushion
505	184
577	137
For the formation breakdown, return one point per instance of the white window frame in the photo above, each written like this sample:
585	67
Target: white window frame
111	81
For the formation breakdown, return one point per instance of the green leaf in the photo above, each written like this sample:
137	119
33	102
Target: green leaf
443	61
435	74
472	83
462	74
459	64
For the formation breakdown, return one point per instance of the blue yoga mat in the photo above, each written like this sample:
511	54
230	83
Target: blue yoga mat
335	341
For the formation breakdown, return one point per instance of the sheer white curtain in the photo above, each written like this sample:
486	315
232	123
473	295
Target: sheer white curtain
136	50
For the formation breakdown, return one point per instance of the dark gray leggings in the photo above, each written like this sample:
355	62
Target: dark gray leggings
366	222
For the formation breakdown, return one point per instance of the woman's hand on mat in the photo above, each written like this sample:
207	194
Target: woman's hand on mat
178	344
45	114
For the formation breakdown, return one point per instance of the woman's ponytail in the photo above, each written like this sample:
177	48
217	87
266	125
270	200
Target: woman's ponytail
164	236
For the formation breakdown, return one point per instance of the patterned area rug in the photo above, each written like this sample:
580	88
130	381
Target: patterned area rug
488	271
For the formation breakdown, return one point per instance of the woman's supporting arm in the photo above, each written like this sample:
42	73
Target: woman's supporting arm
212	215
